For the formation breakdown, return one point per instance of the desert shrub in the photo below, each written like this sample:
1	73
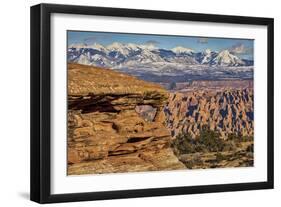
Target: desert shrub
211	140
230	145
189	165
233	137
238	138
220	157
207	141
247	138
184	144
250	148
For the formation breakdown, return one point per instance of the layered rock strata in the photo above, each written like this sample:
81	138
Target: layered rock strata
107	130
229	111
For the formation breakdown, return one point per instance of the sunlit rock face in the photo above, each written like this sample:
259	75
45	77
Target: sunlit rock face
229	111
116	123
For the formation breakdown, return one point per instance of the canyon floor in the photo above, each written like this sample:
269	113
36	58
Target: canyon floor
118	123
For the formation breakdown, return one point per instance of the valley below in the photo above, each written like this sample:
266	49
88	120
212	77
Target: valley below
212	123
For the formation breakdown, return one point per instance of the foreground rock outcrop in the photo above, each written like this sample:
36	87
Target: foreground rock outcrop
108	130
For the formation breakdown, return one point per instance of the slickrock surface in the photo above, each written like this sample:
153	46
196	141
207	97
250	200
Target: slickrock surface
108	130
228	111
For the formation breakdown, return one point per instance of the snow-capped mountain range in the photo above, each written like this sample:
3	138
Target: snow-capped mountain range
144	60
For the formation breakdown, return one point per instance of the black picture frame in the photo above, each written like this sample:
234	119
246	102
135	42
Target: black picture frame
41	96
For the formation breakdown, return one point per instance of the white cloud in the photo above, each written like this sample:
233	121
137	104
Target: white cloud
241	49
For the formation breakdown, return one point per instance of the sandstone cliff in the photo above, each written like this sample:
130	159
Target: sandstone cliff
107	129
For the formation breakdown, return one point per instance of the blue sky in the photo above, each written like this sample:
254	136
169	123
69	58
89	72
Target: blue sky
240	47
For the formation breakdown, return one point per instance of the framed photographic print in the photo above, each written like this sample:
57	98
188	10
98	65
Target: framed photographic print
133	103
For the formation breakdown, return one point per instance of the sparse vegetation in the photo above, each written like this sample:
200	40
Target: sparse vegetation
250	148
208	149
207	141
220	157
238	138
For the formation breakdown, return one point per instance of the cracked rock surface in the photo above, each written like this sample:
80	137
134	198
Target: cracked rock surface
116	123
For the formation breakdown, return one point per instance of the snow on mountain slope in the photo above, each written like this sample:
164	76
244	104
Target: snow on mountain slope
99	47
225	58
145	59
207	58
124	49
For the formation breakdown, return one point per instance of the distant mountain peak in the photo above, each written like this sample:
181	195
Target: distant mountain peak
208	51
228	59
224	52
141	59
115	46
133	46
